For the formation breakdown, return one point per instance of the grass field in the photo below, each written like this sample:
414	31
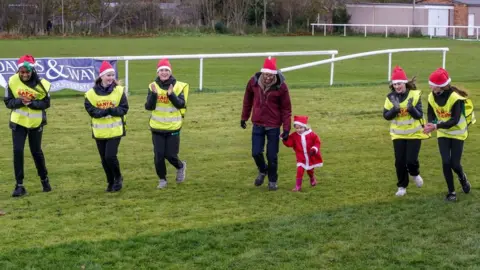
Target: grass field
217	219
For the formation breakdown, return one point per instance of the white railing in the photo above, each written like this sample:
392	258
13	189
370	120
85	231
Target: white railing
432	28
358	55
201	57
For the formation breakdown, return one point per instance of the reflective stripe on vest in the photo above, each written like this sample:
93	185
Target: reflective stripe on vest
109	126
25	116
28	114
443	114
166	116
404	126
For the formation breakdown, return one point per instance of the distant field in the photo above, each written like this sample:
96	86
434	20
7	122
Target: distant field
217	219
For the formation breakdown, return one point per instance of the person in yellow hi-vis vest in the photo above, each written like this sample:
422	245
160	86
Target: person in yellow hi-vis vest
107	104
403	108
27	95
450	112
167	99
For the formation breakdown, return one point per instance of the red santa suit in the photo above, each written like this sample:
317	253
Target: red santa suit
307	150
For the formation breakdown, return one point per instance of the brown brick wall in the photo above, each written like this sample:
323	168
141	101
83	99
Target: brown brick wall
460	18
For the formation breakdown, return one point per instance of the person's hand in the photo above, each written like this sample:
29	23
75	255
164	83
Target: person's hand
26	101
154	88
243	124
395	101
429	128
313	151
170	90
285	134
410	103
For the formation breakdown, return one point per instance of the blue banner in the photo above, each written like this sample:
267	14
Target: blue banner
62	73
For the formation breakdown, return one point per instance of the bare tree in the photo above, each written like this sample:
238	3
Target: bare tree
238	14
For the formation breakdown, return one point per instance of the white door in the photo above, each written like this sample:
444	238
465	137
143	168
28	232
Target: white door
471	24
436	18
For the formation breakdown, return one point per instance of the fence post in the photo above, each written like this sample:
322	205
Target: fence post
389	66
386	30
408	31
332	69
200	83
313	30
477	33
126	77
454	32
444	59
365	30
344	30
324	30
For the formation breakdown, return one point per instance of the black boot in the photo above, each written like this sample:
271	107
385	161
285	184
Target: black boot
109	187
272	186
260	178
117	184
451	197
46	185
19	191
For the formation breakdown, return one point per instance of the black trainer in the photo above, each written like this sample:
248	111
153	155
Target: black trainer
19	191
272	186
260	178
451	197
465	184
109	187
117	184
46	185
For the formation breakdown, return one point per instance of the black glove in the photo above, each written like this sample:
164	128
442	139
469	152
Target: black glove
409	104
243	124
285	135
395	101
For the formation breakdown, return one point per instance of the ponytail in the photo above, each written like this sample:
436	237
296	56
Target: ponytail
461	92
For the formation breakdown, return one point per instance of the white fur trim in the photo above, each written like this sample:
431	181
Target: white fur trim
309	167
316	149
106	71
266	70
21	65
440	85
399	81
304	146
299	123
164	67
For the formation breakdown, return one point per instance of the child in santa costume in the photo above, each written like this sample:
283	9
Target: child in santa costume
306	145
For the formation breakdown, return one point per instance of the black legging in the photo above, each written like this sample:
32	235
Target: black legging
406	159
108	150
451	151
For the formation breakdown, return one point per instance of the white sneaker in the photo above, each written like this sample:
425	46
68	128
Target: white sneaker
418	180
401	191
162	184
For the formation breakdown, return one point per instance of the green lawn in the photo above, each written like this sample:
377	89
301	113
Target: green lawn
217	219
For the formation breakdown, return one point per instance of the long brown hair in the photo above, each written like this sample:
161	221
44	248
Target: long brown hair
461	92
410	85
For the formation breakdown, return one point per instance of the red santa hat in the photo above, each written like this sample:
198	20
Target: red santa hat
164	64
300	120
439	78
26	61
270	66
399	76
105	68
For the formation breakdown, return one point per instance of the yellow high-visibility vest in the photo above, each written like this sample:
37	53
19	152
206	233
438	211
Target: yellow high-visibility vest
166	116
404	126
444	113
24	116
109	126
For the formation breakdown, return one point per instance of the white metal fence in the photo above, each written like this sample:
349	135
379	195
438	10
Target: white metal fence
358	55
433	30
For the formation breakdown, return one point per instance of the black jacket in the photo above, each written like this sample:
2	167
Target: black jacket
15	103
416	112
177	101
441	100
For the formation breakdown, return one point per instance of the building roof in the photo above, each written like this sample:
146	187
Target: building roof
468	2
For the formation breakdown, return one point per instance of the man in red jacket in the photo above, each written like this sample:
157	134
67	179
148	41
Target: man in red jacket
268	96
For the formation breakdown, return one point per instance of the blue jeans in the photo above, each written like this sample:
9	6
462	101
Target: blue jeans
258	144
